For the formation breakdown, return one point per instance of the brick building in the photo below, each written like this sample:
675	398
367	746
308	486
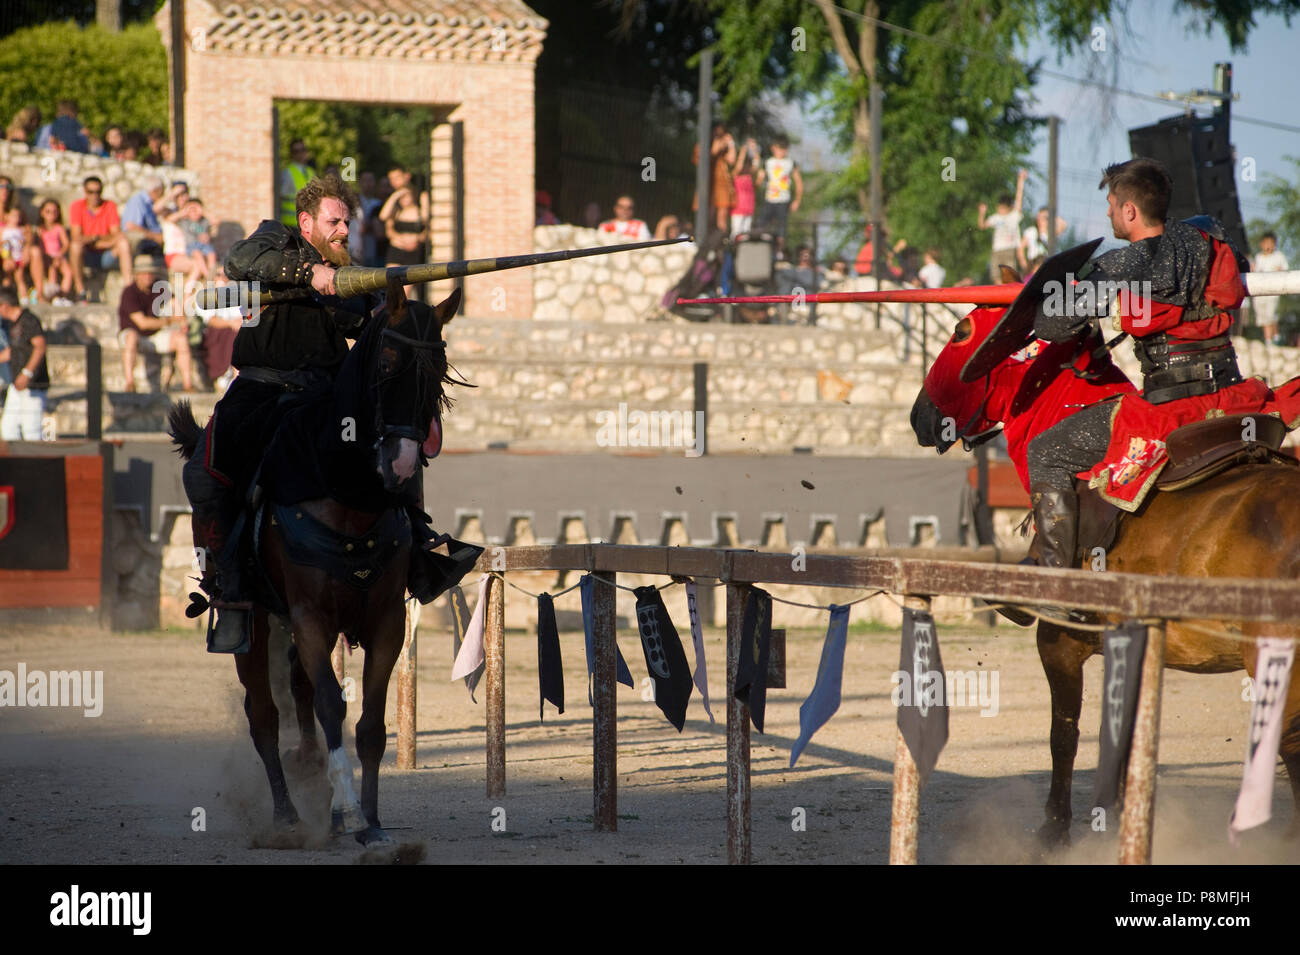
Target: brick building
471	60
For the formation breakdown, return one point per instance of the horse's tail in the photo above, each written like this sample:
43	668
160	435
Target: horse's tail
185	431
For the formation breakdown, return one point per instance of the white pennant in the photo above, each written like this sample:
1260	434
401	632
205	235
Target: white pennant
1272	677
697	637
471	655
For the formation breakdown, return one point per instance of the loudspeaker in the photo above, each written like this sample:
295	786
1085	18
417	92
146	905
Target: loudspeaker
1199	157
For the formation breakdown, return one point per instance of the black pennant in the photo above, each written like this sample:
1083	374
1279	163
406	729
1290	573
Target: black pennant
550	671
664	656
755	648
920	694
1122	650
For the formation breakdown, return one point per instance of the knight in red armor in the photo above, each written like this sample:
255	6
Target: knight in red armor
1173	289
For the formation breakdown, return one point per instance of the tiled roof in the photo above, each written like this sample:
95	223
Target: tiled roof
465	30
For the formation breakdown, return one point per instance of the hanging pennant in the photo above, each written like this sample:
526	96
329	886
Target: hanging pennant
1122	649
460	626
471	659
755	647
550	670
1272	680
621	673
824	699
697	638
919	692
664	656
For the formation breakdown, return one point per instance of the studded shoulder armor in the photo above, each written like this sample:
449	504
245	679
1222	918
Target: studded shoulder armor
274	255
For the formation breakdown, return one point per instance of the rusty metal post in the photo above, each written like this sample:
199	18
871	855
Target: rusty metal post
739	849
904	821
604	730
337	660
494	649
1140	780
406	695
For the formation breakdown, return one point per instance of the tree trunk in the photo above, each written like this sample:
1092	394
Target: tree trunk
859	63
108	14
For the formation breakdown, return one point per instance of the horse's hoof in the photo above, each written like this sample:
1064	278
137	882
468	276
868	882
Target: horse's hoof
285	820
1054	834
373	836
346	821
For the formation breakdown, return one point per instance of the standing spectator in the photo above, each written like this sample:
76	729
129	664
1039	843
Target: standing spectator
370	206
292	178
97	239
1267	259
406	222
65	132
932	274
624	224
55	243
140	217
25	403
1033	243
908	262
543	214
140	324
865	262
837	272
782	187
591	215
1006	230
742	215
722	191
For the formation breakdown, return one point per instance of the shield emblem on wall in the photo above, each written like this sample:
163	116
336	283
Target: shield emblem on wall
6	509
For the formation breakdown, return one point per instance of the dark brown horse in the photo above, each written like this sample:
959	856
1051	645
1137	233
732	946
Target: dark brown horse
336	560
1242	523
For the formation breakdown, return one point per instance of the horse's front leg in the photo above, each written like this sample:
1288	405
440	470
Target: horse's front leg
1063	654
315	639
263	717
383	646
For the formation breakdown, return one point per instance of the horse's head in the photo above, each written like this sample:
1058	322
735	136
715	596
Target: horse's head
409	373
947	408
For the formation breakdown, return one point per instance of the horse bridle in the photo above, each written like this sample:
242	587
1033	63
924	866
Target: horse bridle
424	350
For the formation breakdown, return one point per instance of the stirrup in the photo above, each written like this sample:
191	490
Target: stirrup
230	628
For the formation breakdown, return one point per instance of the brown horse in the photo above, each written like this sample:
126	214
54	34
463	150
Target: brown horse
337	562
1243	523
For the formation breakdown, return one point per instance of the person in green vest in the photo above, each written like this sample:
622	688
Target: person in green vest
293	178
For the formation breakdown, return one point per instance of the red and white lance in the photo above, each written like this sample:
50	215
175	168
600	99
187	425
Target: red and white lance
1257	284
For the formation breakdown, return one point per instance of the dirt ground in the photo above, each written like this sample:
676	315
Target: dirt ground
123	787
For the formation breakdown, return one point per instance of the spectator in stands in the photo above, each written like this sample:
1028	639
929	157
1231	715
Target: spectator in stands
140	217
932	273
1264	307
159	148
782	186
114	142
55	244
542	209
142	326
293	177
591	215
1006	230
24	126
6	378
198	234
220	328
625	225
25	402
65	131
747	163
837	272
722	190
20	256
132	144
365	248
97	238
668	227
1033	242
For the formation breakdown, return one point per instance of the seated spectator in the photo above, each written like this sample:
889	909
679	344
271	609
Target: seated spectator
142	327
624	225
668	227
159	148
25	402
838	272
97	238
55	244
65	132
932	273
114	142
198	234
132	145
20	256
140	217
1033	241
6	379
24	125
220	328
542	206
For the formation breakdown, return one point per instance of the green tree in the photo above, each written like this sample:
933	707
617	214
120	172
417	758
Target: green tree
114	77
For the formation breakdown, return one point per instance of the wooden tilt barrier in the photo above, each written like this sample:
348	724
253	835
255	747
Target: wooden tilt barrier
1126	596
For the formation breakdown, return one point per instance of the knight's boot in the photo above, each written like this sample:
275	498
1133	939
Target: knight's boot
1056	515
432	574
230	621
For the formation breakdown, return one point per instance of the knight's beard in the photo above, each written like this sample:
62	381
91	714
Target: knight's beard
334	255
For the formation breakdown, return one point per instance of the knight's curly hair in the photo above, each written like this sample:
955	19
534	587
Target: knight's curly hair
326	187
